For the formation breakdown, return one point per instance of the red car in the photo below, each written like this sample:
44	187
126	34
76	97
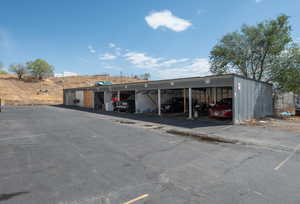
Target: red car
223	109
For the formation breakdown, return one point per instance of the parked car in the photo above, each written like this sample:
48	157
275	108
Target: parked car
127	105
103	83
174	105
223	109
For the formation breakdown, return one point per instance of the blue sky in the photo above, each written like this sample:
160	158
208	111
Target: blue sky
168	38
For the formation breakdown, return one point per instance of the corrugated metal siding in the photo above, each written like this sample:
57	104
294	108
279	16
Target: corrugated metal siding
69	98
252	99
79	96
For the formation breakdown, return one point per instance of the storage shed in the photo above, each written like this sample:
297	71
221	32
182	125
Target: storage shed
194	97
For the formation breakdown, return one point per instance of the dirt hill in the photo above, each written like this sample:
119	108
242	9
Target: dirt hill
47	91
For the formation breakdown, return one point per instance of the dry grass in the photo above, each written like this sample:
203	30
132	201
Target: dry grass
47	91
286	123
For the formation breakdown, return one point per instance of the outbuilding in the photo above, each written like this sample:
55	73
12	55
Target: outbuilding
191	97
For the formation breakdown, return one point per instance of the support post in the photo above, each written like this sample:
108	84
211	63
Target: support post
118	95
190	104
215	95
136	101
184	101
159	102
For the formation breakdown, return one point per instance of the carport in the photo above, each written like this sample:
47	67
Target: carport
174	102
195	97
181	97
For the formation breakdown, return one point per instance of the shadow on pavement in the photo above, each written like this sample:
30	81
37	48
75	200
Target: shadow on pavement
9	196
165	120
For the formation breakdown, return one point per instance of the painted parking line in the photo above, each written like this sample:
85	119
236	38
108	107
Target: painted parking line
137	198
288	158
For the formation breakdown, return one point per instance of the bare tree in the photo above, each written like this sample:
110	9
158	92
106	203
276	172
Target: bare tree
18	69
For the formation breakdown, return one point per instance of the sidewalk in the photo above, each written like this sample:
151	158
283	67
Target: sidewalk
248	135
218	132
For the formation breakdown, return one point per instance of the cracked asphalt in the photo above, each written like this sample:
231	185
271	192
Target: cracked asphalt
56	155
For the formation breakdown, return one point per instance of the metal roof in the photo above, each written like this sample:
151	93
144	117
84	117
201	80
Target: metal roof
205	81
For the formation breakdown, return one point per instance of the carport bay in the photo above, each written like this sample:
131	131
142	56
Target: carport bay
250	99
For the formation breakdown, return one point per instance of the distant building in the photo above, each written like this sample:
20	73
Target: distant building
65	74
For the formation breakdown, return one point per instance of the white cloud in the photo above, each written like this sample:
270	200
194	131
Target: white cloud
141	60
107	56
65	74
116	49
167	19
171	62
164	68
258	1
198	67
91	49
111	45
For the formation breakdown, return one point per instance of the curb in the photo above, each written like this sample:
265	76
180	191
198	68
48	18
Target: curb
218	139
203	137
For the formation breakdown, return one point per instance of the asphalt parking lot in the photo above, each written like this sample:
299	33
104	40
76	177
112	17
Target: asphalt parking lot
56	155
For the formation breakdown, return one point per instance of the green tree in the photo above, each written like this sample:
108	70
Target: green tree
18	69
286	69
40	68
253	50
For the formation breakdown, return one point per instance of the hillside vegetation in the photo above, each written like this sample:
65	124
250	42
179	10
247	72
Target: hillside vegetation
46	91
